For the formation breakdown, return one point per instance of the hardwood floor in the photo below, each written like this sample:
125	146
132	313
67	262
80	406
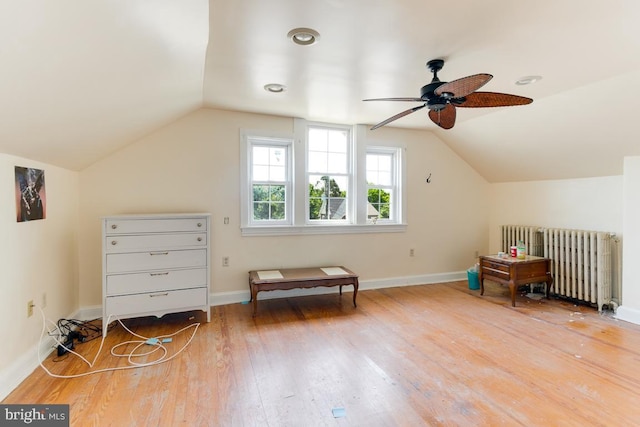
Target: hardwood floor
412	356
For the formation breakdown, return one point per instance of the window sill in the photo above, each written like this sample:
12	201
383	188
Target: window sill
323	229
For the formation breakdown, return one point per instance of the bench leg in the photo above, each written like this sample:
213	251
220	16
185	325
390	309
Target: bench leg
355	292
254	299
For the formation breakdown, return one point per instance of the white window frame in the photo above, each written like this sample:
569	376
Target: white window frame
297	197
395	205
250	140
350	174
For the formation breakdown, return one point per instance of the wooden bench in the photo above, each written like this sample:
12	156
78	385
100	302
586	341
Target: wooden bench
292	278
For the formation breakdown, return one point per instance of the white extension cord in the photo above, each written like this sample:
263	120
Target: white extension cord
155	342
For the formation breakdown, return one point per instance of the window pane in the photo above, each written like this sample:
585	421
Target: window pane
339	186
269	202
379	169
338	141
276	193
277	156
384	178
277	173
337	163
260	193
260	173
328	197
379	203
277	211
384	163
317	139
317	162
269	164
260	211
260	155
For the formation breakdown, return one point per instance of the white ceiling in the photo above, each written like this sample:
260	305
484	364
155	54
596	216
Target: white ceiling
79	80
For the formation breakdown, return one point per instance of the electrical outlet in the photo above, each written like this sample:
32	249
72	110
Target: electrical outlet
225	261
412	252
44	300
226	220
476	254
30	306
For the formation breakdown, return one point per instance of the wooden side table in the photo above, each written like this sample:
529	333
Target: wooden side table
515	272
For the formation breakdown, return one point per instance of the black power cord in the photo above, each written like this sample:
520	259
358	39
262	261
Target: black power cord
78	330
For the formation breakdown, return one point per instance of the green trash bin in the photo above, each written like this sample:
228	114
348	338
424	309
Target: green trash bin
472	276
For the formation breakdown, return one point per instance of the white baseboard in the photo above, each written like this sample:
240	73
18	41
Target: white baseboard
627	314
26	363
90	313
235	297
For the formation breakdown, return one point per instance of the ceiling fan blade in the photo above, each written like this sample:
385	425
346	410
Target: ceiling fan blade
490	99
397	116
464	86
396	99
444	118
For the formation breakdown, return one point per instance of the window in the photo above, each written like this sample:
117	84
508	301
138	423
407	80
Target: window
382	192
334	181
269	181
328	174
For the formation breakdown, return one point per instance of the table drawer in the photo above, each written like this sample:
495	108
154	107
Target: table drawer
492	265
166	225
121	284
123	243
156	303
155	260
528	271
495	269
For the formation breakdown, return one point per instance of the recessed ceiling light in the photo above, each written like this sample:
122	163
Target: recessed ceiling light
527	80
304	36
275	88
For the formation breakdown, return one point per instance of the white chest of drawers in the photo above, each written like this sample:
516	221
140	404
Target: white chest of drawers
155	264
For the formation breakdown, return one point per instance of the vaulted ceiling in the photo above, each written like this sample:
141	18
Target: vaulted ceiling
79	80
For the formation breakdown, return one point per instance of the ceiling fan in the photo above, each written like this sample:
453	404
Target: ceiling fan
442	98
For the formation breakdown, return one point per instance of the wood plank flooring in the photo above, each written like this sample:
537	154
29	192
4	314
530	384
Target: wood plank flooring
411	356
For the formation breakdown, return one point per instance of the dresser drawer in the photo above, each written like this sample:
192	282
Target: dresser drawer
156	303
122	284
160	225
154	241
155	260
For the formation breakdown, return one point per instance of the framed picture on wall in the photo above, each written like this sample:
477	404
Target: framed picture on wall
30	194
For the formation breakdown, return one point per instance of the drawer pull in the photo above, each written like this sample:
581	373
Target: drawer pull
159	295
114	226
158	253
159	274
199	224
114	242
199	239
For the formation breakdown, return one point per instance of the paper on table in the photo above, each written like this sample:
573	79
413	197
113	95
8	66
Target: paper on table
333	271
269	274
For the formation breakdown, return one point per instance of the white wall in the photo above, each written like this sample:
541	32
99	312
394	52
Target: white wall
36	257
193	165
630	308
583	204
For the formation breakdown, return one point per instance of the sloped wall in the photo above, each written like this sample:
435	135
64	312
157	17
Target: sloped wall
36	257
193	165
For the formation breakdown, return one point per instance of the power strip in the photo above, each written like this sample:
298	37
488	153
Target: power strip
65	347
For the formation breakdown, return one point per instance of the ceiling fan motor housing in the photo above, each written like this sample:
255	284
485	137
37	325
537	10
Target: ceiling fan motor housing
433	101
